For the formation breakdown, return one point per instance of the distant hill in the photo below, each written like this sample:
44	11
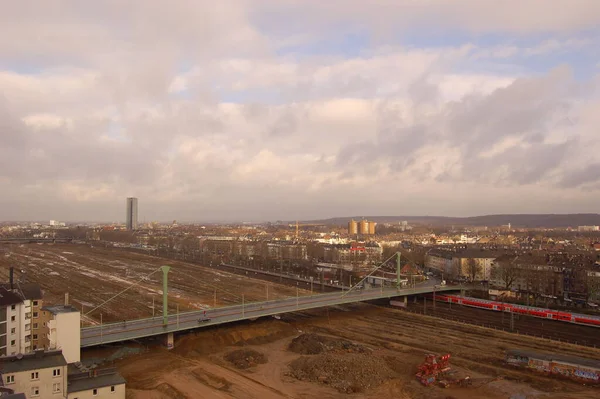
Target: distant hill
517	220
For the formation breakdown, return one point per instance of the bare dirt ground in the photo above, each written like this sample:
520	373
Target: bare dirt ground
369	351
92	275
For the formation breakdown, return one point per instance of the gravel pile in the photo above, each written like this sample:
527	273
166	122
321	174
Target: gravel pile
314	344
348	373
245	358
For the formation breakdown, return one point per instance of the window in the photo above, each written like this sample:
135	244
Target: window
95	392
10	379
34	336
35	375
56	372
35	325
13	330
35	391
112	388
56	387
35	314
13	342
35	303
12	307
13	318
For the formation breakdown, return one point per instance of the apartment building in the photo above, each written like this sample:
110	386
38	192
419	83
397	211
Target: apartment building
62	330
286	250
38	375
44	375
9	329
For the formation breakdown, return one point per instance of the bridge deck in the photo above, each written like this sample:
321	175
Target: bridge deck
134	329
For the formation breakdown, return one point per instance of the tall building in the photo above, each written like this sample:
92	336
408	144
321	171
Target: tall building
16	303
372	227
363	227
132	213
352	227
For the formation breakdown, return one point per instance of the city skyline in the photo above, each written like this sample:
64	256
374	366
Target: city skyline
337	108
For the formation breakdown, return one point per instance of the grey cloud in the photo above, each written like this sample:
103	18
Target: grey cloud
582	176
521	109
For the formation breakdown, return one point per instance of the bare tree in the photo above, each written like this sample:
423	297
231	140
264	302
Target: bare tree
473	268
507	271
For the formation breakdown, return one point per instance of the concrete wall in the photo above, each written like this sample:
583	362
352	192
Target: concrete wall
45	383
104	392
65	334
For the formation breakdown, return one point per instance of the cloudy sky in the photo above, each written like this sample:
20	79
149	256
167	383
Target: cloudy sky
285	109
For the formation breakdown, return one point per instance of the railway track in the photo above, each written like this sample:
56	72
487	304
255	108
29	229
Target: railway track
527	325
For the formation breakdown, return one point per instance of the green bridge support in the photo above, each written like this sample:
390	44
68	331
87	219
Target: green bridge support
165	270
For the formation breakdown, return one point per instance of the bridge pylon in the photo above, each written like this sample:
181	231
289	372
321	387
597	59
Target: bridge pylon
398	269
165	270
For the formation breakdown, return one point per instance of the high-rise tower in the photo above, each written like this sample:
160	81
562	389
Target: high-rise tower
352	227
132	213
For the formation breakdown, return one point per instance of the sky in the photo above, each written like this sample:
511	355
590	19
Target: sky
258	110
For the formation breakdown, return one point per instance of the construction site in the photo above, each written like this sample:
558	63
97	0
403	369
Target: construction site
363	350
360	351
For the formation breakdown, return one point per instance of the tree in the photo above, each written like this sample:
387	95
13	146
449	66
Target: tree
506	271
473	268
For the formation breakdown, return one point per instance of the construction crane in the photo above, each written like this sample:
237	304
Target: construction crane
297	225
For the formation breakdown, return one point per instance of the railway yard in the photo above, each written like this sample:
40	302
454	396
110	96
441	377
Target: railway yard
365	350
556	330
92	275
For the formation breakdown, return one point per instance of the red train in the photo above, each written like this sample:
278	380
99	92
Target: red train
576	318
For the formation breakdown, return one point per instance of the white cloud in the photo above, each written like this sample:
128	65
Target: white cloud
193	108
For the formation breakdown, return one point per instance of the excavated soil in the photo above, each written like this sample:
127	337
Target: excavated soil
397	342
245	358
313	344
348	373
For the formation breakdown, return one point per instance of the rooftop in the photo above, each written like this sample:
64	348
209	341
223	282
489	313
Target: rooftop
32	361
26	290
8	298
56	309
87	381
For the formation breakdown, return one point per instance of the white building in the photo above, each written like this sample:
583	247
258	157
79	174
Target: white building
44	375
38	375
15	315
588	228
63	330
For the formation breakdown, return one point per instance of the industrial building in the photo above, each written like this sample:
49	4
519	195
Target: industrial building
363	227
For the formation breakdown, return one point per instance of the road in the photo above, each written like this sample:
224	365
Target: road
133	329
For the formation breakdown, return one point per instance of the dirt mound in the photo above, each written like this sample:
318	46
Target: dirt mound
212	340
245	358
314	344
351	372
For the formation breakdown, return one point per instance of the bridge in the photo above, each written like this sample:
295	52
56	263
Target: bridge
165	324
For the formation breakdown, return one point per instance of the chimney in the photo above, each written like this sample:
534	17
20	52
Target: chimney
12	275
66	298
